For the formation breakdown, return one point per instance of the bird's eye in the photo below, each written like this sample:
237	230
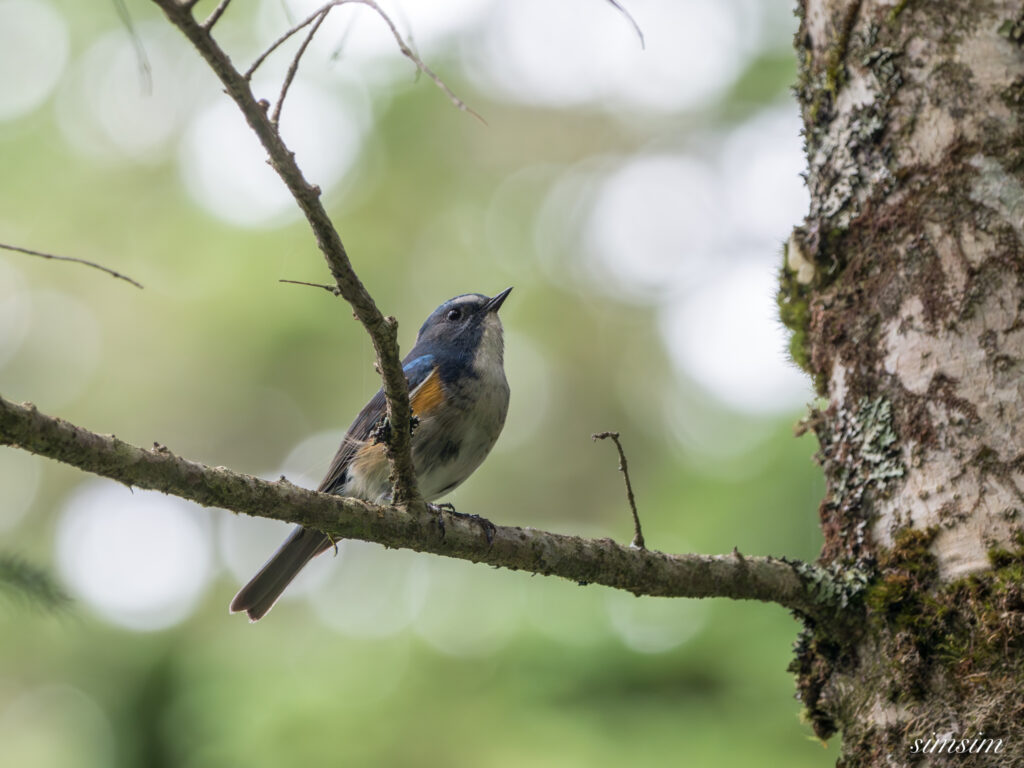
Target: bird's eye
454	315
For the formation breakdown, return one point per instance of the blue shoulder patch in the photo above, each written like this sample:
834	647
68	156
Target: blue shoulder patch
417	370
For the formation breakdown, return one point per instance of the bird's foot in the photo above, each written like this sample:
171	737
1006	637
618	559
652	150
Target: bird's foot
437	509
488	527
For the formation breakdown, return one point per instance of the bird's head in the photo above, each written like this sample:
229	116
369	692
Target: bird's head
466	324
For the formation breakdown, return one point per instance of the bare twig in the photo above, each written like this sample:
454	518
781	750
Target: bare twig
294	66
329	288
410	54
145	71
799	586
92	264
286	36
214	17
621	9
638	537
406	50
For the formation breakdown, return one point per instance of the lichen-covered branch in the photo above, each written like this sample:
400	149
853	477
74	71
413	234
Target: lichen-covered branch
383	330
798	586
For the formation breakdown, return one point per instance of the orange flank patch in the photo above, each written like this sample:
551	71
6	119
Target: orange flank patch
369	457
428	395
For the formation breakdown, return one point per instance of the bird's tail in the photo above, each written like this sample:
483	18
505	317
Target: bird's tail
259	595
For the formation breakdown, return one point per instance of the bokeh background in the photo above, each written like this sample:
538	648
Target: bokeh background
636	199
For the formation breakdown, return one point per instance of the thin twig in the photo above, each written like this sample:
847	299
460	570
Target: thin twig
410	54
294	66
92	264
214	17
329	288
145	71
638	537
405	49
621	9
288	34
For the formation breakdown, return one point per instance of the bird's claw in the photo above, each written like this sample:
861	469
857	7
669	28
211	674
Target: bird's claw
488	527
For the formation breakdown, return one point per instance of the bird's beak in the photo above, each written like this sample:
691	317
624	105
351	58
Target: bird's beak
495	304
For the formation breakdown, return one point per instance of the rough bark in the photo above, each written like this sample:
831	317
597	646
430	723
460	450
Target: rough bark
904	290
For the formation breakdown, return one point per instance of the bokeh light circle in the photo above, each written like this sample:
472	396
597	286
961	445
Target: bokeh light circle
54	726
572	53
225	167
142	560
654	223
470	610
727	336
110	107
652	624
373	592
33	53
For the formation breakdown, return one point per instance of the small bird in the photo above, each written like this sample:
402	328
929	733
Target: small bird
459	399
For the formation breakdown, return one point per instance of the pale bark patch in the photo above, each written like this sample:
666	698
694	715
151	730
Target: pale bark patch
976	414
998	190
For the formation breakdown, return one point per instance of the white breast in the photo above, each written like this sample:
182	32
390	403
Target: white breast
474	428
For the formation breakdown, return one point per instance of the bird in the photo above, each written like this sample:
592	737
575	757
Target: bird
459	398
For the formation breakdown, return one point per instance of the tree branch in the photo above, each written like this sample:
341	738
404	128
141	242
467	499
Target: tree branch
798	586
383	331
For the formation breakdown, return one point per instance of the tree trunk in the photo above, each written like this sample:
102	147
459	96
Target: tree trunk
904	292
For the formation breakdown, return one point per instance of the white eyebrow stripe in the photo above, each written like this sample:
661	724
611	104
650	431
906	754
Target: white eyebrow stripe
467	299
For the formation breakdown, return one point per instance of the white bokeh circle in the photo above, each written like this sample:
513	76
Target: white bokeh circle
653	624
224	165
727	337
142	560
34	45
109	107
572	53
373	592
655	224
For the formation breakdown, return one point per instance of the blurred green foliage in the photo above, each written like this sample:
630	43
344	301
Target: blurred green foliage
221	363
